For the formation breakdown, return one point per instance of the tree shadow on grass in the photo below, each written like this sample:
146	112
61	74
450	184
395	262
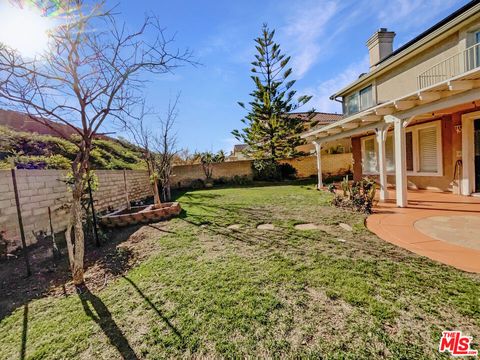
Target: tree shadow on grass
157	310
98	312
49	274
23	347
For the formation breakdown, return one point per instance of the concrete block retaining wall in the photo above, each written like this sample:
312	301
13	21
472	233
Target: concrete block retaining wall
40	189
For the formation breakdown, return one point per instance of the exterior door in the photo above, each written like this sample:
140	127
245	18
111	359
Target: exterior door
476	136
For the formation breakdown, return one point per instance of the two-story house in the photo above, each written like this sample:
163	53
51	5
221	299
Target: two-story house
414	118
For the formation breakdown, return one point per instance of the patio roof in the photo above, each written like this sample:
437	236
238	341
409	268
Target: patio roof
459	89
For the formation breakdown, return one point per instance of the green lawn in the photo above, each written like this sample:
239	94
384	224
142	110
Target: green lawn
213	292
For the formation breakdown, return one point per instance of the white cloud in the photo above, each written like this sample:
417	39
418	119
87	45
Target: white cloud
322	92
411	14
304	32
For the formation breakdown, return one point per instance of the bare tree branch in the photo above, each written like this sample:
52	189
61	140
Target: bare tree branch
93	71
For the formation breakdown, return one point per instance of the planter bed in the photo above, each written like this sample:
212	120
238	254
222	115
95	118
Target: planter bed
141	214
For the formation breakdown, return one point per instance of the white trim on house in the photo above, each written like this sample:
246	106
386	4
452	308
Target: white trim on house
468	153
414	130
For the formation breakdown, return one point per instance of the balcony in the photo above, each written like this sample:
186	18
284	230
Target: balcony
455	65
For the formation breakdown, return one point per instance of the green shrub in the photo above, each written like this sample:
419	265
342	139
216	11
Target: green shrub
269	170
266	170
241	180
287	171
197	184
57	162
358	196
30	150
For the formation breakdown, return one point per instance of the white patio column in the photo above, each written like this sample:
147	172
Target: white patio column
381	136
400	162
318	150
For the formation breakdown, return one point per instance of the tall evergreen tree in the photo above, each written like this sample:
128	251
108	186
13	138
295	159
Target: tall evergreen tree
271	131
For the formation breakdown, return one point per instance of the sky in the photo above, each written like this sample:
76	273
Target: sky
325	38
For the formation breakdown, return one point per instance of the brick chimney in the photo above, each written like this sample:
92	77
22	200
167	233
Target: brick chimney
380	45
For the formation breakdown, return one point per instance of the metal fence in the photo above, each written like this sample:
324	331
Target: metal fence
455	65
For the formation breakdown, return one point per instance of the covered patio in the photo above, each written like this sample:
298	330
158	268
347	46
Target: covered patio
443	222
441	226
457	96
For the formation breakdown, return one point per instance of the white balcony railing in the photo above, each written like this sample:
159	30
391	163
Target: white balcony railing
457	64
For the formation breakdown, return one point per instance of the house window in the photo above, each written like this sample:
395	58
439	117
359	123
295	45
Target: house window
359	101
352	104
369	153
423	150
428	149
366	98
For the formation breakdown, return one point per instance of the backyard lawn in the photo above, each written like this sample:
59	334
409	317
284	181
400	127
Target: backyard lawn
210	291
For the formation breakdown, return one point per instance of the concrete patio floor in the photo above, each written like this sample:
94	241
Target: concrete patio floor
441	226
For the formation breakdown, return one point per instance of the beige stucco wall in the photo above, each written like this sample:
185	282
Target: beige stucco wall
334	164
184	175
401	79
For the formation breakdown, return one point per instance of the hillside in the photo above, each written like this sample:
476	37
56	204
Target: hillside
35	151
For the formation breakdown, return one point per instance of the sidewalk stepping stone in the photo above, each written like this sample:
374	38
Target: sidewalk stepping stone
306	227
235	226
345	227
266	227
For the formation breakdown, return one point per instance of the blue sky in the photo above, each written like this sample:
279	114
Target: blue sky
326	39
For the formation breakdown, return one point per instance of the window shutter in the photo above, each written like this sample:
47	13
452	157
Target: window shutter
427	139
409	143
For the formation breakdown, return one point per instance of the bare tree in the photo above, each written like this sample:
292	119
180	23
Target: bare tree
93	71
166	147
144	138
186	157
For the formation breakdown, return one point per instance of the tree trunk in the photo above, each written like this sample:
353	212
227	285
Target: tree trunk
156	195
79	244
168	192
77	252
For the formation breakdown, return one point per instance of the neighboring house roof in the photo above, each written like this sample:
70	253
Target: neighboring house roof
239	147
427	36
320	118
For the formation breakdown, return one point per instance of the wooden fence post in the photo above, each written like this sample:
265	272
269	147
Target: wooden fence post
20	223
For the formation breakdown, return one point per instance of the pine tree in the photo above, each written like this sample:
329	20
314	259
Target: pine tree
271	131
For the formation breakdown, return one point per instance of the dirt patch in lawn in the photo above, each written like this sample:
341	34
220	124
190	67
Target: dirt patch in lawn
123	249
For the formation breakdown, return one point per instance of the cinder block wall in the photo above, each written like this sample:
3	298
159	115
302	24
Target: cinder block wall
306	166
40	189
184	175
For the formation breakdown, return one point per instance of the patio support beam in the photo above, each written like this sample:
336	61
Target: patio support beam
400	160
381	136
318	150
